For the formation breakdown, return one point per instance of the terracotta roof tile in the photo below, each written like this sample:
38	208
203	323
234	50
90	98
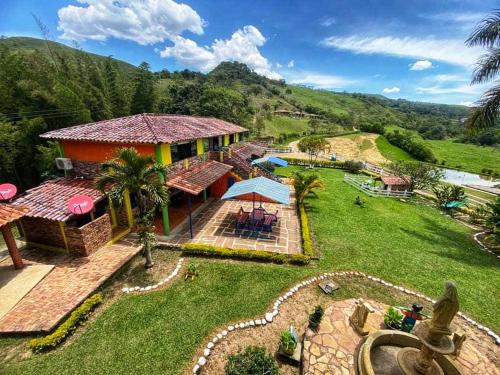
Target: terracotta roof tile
9	213
197	178
50	199
395	180
147	128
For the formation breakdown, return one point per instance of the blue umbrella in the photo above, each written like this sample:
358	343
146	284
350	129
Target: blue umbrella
260	185
271	159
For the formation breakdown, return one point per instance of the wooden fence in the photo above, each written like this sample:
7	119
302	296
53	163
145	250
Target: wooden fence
360	184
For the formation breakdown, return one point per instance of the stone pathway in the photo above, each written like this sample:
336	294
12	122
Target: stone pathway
331	349
71	281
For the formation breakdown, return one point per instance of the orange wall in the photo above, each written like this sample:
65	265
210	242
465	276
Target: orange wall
99	152
219	187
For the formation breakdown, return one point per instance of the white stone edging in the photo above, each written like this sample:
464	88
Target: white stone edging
269	316
157	285
483	246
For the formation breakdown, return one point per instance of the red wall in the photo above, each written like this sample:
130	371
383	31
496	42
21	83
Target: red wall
99	152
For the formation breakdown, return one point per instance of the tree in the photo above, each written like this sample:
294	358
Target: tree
304	183
115	89
448	193
486	34
144	96
139	175
313	146
260	126
421	176
314	125
224	103
493	216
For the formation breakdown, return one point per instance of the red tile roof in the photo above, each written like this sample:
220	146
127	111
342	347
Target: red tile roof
200	176
50	199
395	180
147	128
9	213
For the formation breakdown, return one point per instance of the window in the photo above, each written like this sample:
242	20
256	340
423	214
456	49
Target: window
182	151
231	139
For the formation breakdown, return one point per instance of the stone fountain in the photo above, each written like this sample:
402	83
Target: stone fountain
389	352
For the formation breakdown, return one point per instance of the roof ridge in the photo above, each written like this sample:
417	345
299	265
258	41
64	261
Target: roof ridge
150	126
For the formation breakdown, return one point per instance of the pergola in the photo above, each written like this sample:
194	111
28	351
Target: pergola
8	214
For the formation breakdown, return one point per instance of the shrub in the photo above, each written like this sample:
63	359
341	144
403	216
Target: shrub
448	193
76	319
392	318
224	252
254	360
287	342
316	316
306	233
353	166
407	142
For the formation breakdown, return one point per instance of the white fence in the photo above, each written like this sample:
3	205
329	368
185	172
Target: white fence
279	150
360	184
376	169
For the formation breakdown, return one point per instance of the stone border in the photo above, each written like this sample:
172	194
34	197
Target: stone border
269	316
157	285
483	246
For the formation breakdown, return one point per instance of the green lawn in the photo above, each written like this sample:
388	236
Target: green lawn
466	157
285	125
391	152
405	243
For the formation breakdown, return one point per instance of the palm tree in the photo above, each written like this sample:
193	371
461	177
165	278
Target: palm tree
304	183
486	34
140	175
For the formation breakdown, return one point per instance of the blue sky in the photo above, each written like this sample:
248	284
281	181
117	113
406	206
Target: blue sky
402	49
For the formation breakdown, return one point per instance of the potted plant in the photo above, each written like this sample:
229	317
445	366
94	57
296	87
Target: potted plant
315	317
287	343
192	271
392	318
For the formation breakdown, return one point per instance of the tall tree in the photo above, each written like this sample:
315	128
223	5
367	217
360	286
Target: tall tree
313	145
139	175
115	89
144	96
486	34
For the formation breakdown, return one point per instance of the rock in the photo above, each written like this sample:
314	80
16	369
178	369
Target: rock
202	361
210	345
230	328
269	317
219	336
125	290
252	323
258	322
215	339
275	312
206	352
224	333
195	369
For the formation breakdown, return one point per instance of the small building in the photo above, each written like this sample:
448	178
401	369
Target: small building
395	183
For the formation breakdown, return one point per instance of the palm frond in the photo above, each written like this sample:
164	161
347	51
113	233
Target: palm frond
488	66
487	32
486	112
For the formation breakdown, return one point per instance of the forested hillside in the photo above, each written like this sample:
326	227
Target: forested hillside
46	85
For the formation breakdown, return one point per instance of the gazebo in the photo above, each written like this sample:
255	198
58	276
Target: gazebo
8	214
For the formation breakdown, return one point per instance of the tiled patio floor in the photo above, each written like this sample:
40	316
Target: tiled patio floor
215	226
66	286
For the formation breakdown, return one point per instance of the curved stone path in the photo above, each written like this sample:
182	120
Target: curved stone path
268	317
157	285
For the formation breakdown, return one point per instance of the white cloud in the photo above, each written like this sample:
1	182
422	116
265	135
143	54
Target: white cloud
451	51
320	81
391	90
144	22
290	64
466	103
279	66
328	22
444	84
242	46
421	65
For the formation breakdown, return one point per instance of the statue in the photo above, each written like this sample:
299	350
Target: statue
411	316
359	316
444	311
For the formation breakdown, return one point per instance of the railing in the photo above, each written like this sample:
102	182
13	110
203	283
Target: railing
279	150
376	169
374	192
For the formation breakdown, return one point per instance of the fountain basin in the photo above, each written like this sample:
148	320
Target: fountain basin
378	354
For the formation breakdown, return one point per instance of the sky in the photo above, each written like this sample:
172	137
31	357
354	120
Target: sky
413	50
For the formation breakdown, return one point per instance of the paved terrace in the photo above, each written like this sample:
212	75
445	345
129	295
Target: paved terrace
70	281
214	225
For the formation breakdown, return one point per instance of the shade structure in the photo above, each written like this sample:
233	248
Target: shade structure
260	185
270	159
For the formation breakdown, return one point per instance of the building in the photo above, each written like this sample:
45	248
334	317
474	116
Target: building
202	156
395	183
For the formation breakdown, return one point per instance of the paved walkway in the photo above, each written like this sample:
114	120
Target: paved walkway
214	225
71	281
331	349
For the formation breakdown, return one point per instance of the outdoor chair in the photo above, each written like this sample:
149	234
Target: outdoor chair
274	216
241	218
267	225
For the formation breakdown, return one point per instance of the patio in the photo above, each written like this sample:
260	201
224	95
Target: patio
61	282
215	225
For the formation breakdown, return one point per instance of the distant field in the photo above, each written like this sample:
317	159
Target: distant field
285	125
467	157
391	152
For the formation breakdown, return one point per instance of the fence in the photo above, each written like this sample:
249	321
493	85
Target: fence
279	150
360	184
376	169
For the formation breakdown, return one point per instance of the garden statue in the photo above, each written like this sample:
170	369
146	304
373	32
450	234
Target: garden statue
359	201
444	311
359	317
411	316
458	340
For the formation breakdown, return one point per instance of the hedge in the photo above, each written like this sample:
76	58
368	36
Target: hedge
77	317
306	233
200	249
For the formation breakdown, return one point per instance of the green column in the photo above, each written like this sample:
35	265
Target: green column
164	210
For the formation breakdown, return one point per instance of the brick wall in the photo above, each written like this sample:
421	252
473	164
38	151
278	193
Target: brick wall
90	237
43	231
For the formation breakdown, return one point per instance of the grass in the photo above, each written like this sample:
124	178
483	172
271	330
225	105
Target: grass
405	243
285	125
391	152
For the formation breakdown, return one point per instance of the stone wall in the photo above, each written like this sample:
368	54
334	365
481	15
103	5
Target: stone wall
90	237
43	231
